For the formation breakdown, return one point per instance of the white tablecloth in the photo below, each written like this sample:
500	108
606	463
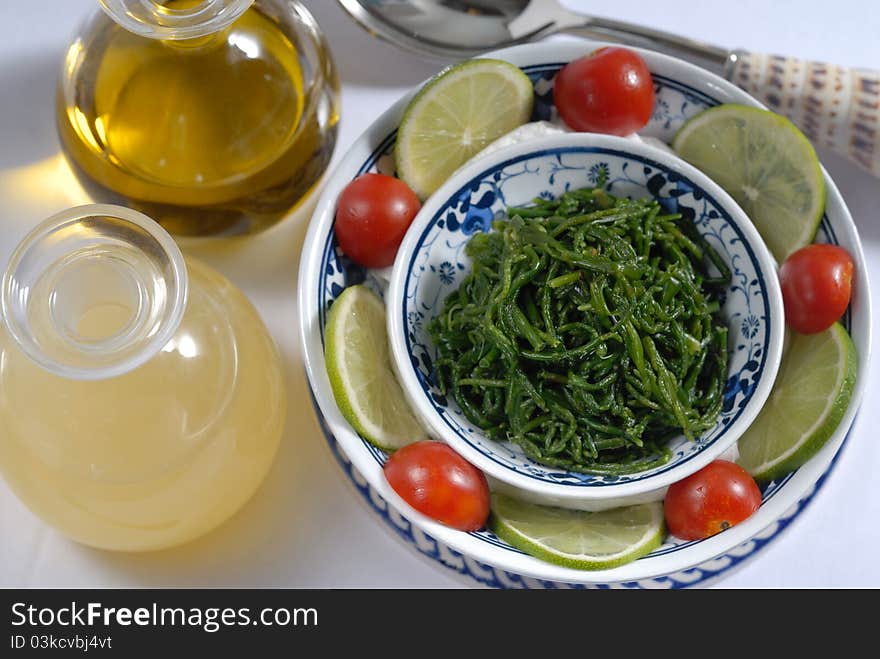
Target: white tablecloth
306	527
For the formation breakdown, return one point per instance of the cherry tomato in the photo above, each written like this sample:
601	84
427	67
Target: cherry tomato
438	482
816	286
608	91
372	215
715	498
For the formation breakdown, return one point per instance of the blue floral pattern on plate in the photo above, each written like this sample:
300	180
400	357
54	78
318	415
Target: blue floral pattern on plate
676	102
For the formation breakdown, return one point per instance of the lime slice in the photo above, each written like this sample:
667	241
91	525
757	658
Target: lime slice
764	162
809	398
456	114
578	539
359	368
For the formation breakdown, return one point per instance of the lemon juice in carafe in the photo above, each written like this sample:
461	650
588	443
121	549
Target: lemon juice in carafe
141	397
212	116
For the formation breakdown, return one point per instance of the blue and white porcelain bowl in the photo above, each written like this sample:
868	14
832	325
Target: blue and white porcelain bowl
431	264
682	90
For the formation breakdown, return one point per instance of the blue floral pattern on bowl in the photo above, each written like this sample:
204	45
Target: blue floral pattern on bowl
550	173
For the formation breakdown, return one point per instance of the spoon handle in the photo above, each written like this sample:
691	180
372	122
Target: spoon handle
836	107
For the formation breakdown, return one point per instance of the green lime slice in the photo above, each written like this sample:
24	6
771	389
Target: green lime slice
455	115
764	162
578	539
359	368
810	396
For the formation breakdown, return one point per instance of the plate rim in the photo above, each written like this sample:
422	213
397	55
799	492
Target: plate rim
548	53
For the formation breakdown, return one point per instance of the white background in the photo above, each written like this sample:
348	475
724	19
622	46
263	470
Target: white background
306	526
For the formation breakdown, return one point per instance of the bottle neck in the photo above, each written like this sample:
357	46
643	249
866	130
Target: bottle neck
94	292
175	20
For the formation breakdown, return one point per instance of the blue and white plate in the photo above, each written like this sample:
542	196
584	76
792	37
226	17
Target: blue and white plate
683	90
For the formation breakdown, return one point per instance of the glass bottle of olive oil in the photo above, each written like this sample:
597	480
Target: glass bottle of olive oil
211	116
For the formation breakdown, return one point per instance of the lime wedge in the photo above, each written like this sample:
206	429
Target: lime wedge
766	164
578	539
809	398
359	368
456	114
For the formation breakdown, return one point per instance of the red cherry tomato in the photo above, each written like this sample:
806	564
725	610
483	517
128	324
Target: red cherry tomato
816	286
372	215
715	498
438	482
608	91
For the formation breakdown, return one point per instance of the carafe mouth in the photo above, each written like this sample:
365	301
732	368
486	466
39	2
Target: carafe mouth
94	291
174	21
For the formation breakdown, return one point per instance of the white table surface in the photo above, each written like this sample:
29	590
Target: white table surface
306	526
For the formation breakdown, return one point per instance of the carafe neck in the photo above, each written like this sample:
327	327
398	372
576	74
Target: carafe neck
94	291
175	20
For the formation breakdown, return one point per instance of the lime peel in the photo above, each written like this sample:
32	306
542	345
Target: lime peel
766	164
361	377
578	539
455	115
810	397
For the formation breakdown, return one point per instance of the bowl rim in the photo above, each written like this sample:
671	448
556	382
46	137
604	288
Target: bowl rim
687	557
572	494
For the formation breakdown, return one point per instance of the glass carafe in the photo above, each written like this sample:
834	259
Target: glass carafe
141	397
210	116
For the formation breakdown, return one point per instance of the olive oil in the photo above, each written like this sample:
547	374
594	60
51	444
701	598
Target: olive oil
217	134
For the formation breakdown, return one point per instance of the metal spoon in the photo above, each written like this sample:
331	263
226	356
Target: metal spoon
836	107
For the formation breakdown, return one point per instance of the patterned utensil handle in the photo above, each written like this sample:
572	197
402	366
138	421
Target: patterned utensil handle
836	107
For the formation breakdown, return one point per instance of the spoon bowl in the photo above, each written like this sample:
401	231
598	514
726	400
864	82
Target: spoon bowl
836	107
451	29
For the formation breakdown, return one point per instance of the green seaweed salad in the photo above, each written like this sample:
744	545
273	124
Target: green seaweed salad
588	332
